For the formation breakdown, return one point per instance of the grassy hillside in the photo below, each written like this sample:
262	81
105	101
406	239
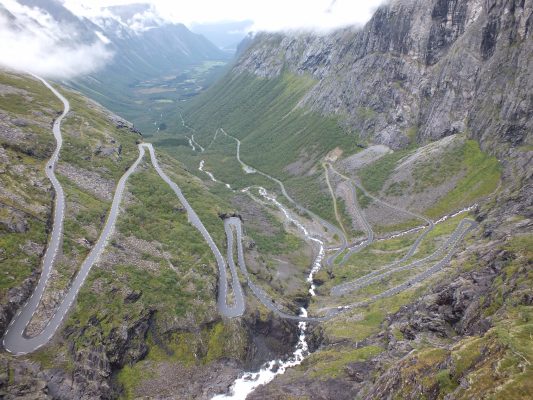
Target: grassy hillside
263	114
26	142
479	175
155	272
274	131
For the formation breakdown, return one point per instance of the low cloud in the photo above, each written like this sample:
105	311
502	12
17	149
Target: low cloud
316	15
33	41
272	15
137	17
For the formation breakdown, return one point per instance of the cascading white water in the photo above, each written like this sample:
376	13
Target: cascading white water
318	260
211	176
249	381
190	143
464	210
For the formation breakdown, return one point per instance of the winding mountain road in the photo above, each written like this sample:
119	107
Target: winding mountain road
232	226
414	247
353	206
464	227
17	342
379	274
373	277
326	224
366	226
226	310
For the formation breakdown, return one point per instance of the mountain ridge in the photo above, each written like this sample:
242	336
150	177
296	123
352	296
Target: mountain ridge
400	132
420	80
437	60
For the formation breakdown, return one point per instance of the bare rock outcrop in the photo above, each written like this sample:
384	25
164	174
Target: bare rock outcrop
445	67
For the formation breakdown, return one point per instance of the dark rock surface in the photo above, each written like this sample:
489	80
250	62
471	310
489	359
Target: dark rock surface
454	304
269	338
438	67
15	299
450	311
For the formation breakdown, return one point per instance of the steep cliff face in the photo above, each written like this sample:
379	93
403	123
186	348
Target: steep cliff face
420	71
430	68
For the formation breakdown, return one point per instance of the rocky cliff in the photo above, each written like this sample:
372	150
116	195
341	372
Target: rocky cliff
419	70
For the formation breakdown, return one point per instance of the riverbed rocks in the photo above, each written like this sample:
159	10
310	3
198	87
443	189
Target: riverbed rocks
315	389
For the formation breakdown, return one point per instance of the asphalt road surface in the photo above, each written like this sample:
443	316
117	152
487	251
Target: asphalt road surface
17	342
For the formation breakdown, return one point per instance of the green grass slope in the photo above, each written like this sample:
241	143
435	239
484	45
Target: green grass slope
275	132
156	272
264	115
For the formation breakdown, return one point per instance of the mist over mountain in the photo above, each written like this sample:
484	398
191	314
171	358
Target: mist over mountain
226	35
128	12
138	18
120	55
45	38
50	40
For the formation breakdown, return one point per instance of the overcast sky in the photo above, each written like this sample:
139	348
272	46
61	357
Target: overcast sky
42	45
38	44
267	14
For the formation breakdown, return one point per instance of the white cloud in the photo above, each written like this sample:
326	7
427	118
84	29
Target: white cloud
269	15
37	43
141	21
